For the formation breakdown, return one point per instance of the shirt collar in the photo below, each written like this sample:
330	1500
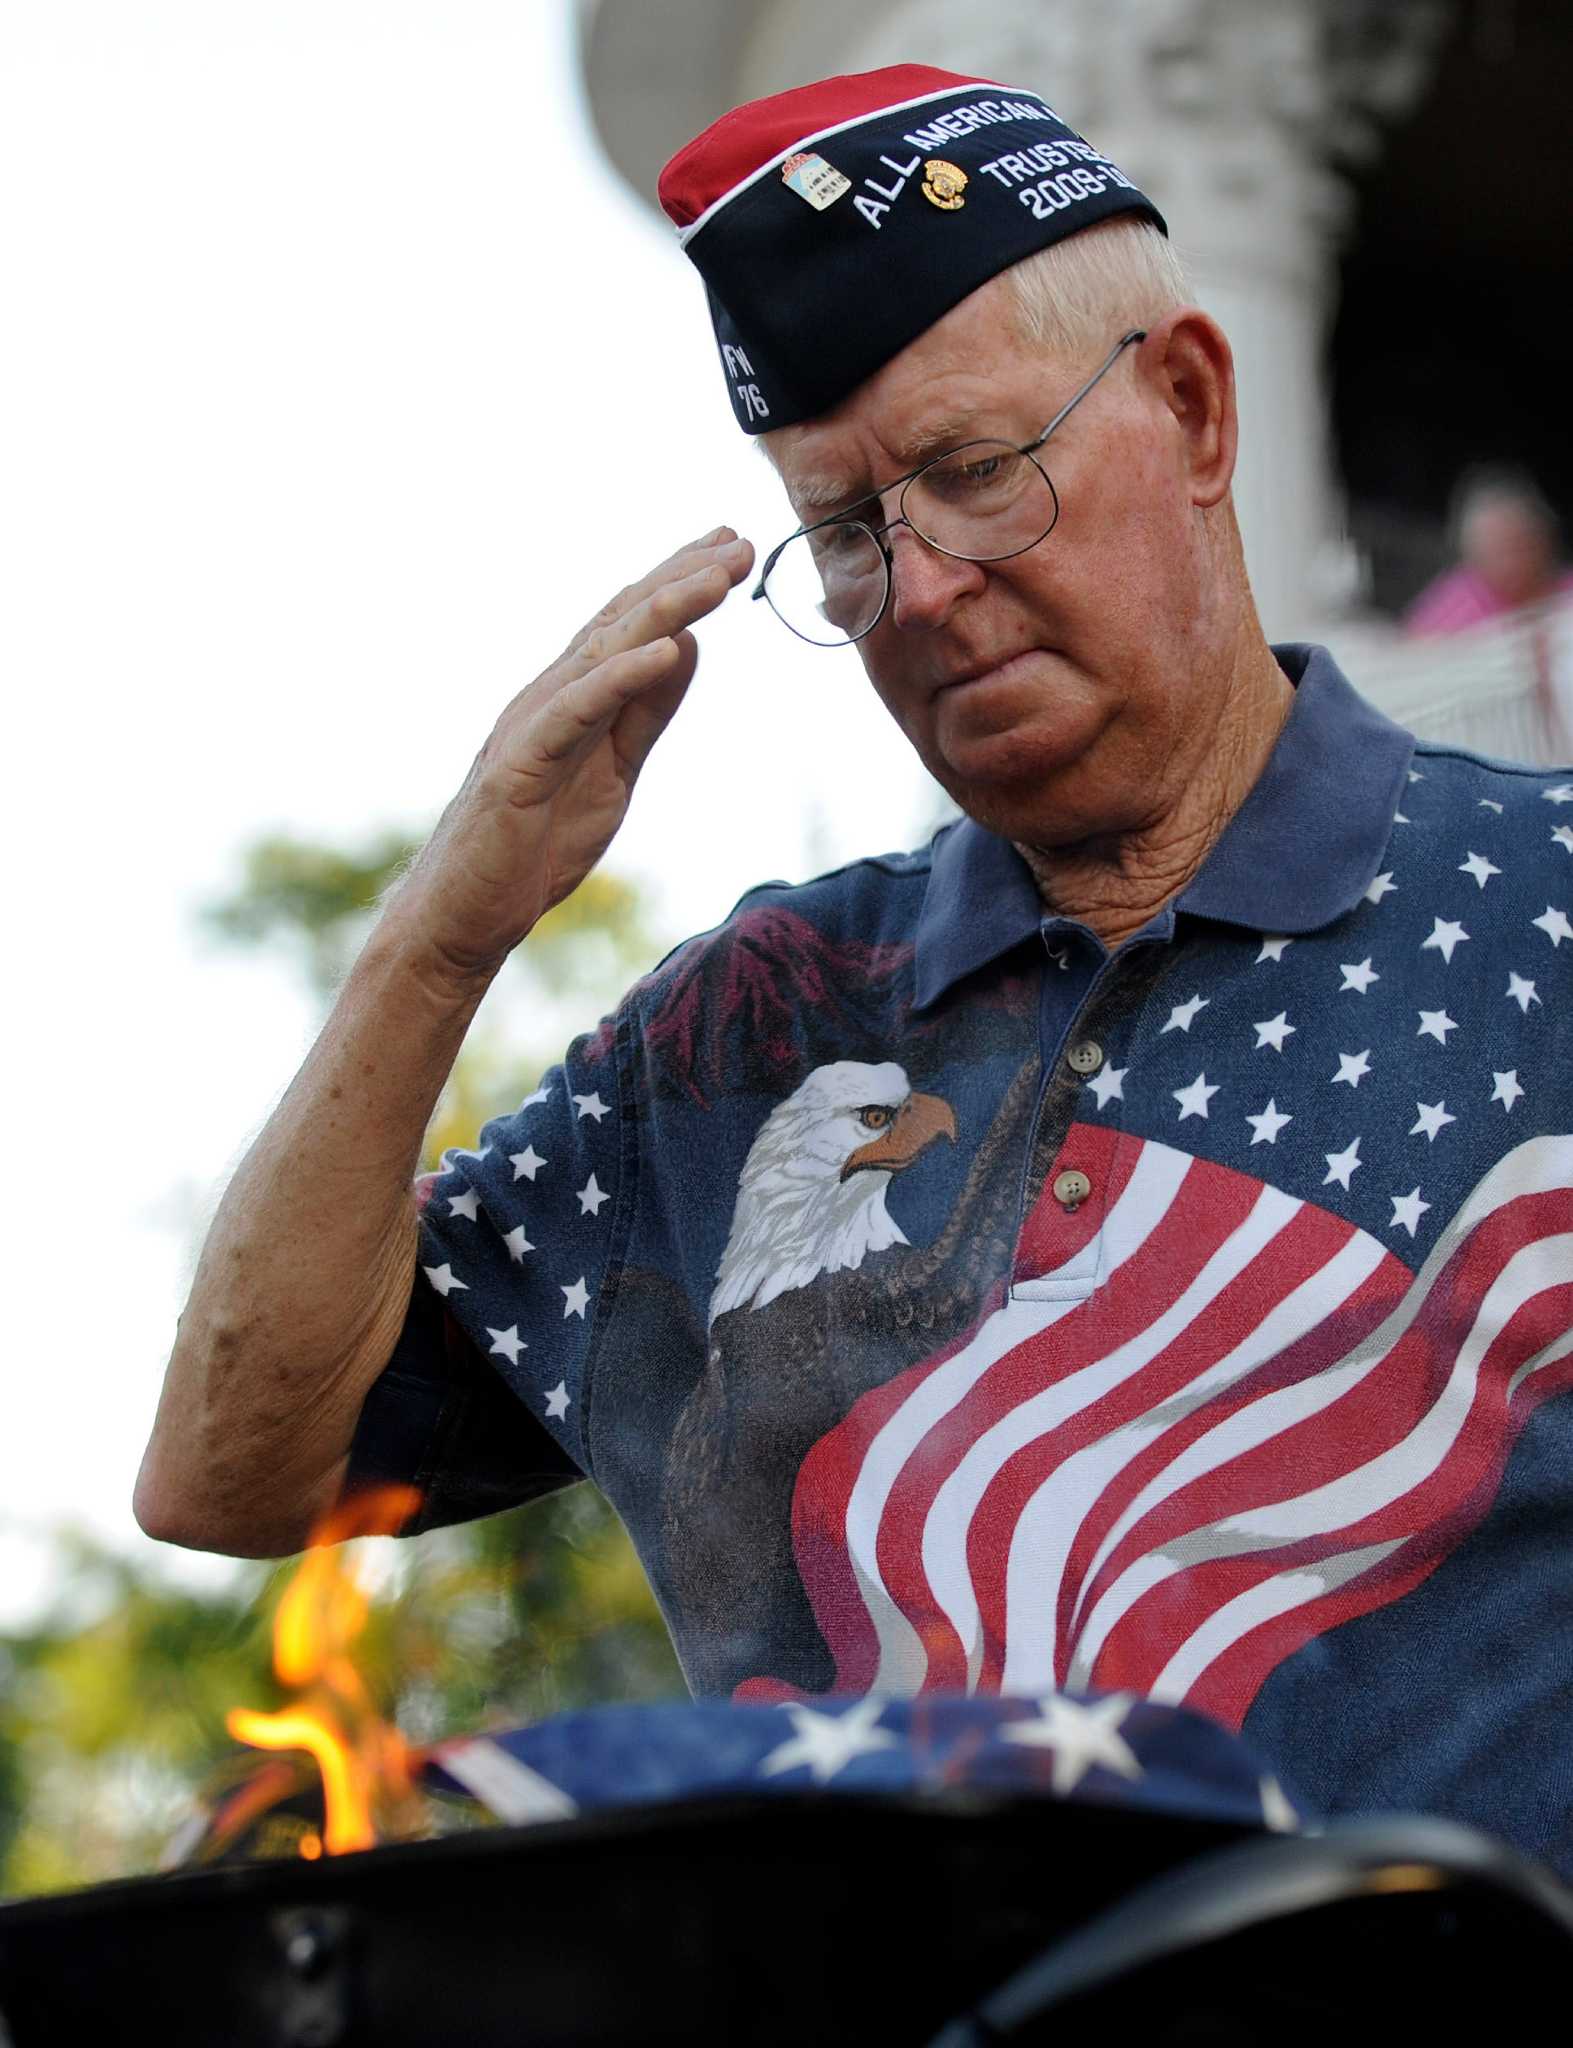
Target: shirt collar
1300	851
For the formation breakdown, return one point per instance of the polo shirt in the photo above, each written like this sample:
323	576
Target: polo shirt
945	1302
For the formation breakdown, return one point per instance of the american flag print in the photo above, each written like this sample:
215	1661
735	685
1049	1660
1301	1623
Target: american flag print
1257	1425
1271	1376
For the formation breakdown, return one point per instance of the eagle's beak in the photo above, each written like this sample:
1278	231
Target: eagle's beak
919	1121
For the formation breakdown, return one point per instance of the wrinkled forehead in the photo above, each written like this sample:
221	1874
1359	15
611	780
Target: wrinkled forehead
971	374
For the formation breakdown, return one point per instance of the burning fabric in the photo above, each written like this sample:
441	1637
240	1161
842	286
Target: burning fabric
341	1777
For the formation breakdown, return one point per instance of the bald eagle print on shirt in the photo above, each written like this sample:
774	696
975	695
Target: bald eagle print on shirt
818	1298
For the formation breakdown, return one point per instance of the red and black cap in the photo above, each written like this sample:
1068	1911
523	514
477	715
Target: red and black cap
832	224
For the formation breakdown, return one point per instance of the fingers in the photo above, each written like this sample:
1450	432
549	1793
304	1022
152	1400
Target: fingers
641	647
688	584
648	715
717	547
581	712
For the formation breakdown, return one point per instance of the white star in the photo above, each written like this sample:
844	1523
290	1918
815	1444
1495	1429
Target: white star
1407	1210
1193	1101
1521	991
1507	1089
464	1205
1478	866
1266	1126
458	1152
540	1095
518	1244
441	1277
1415	775
507	1343
827	1743
1272	949
1554	924
1109	1085
1435	1024
1353	1067
1487	803
1444	937
1399	818
1360	977
591	1105
1184	1015
1563	835
1432	1116
1562	794
591	1196
1273	1032
1341	1164
576	1299
526	1164
557	1401
1081	1733
1384	885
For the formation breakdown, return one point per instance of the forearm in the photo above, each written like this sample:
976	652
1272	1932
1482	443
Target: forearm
306	1274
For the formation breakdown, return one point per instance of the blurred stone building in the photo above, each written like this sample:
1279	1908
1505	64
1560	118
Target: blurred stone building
1374	197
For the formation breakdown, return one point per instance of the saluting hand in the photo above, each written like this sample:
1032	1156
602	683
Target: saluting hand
551	786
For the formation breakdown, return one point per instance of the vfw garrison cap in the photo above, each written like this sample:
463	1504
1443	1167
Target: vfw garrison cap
832	224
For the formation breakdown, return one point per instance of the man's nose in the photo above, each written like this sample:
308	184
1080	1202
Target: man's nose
926	586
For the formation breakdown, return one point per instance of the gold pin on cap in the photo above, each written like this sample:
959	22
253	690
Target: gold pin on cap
943	184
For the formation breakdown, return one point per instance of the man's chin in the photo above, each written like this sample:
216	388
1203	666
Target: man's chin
1014	765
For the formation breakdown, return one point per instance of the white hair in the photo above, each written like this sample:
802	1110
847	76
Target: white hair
1080	294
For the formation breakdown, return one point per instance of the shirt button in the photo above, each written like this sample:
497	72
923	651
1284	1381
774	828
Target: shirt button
1087	1057
1071	1188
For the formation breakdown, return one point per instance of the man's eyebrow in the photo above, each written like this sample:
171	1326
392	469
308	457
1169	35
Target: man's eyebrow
817	492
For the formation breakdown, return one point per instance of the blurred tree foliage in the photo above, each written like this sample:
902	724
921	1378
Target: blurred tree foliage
112	1703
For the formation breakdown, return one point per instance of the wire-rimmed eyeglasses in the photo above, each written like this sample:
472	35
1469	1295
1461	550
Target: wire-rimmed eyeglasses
981	502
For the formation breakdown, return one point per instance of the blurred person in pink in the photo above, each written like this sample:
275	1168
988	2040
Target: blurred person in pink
1509	556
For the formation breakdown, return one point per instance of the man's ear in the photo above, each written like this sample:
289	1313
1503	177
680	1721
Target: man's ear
1188	358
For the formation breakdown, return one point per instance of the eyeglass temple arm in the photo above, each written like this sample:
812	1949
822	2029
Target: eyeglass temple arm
1076	397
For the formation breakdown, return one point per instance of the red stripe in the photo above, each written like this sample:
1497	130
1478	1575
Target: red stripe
1126	1300
826	1478
820	1501
1303	1248
1213	1202
1380	1411
1052	1235
1436	1514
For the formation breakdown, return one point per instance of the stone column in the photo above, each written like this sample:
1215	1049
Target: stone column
1236	116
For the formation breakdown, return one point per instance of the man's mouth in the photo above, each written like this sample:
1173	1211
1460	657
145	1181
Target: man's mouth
999	669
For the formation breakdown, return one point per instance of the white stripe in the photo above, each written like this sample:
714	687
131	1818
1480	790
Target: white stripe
1047	1526
1379	1482
1540	1165
1248	1610
1141	1205
1405	1465
1320	1295
973	90
504	1785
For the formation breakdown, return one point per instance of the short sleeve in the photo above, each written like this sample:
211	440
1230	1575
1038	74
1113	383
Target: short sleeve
483	1403
440	1420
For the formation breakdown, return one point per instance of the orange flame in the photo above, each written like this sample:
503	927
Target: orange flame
364	1761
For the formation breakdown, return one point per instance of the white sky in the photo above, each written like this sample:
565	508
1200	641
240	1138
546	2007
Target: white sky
339	381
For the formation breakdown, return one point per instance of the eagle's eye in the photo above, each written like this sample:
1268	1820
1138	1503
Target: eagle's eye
874	1116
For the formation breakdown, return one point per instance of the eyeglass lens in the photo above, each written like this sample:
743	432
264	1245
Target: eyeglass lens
982	502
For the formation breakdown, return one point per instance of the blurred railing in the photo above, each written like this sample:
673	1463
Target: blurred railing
1504	688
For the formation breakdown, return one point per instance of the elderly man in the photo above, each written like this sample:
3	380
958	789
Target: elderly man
1123	1245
